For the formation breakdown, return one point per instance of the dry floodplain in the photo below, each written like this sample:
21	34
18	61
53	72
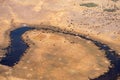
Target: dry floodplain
55	55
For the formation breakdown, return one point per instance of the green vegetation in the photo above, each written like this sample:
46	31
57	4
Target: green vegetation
115	0
110	10
89	4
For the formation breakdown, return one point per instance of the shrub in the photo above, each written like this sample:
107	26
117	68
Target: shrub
115	0
110	10
89	4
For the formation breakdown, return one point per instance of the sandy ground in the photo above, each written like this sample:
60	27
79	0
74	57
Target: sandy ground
92	21
65	14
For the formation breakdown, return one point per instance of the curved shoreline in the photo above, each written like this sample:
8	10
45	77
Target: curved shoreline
111	55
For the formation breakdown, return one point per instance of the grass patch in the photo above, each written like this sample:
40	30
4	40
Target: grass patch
89	5
110	10
115	0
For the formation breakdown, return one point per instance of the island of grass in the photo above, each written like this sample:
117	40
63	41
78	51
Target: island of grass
110	10
89	5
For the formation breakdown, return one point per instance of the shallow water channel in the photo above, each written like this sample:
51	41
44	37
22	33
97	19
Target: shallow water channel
18	47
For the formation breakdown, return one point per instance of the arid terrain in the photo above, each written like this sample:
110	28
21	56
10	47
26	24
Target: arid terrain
54	54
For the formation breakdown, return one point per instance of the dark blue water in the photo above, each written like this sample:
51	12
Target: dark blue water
16	48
